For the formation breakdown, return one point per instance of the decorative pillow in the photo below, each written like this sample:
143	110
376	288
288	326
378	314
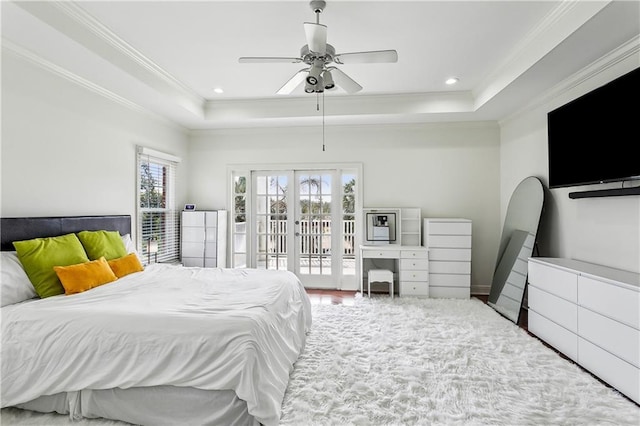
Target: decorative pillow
16	286
126	265
85	276
130	246
128	243
40	255
102	243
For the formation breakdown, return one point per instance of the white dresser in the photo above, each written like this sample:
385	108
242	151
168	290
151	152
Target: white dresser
448	241
590	313
204	238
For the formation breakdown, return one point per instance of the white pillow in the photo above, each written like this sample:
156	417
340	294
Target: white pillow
16	286
129	245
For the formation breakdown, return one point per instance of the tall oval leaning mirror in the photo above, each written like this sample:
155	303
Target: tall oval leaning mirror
516	246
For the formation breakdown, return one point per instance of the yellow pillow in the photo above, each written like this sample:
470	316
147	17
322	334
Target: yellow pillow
85	276
126	265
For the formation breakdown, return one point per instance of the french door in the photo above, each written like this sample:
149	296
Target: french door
316	228
303	221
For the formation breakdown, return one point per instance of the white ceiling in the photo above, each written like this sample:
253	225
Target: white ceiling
168	56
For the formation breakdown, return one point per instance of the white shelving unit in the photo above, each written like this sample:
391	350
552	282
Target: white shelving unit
410	226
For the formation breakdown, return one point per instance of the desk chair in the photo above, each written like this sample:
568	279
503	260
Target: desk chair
380	275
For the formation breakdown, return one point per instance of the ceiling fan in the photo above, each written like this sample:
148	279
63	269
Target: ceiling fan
319	56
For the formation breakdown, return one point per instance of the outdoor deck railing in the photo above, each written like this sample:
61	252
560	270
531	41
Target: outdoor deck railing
315	237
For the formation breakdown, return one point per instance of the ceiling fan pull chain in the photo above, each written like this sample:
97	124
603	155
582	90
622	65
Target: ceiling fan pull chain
323	122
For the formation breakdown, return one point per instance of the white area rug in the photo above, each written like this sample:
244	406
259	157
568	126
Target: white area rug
439	362
427	362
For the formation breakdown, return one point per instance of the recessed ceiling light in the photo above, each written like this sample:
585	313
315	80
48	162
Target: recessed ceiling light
452	80
218	90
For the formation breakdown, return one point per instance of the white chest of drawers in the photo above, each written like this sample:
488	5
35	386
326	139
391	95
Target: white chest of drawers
448	241
203	238
414	272
591	314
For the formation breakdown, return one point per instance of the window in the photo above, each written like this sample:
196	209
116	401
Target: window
239	259
158	218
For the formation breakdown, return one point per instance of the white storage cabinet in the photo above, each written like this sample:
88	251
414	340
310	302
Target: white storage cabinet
448	241
204	238
590	313
414	272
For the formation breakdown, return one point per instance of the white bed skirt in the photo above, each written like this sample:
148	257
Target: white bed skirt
159	405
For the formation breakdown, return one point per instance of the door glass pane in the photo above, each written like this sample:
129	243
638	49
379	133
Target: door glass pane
261	185
239	258
348	181
315	224
271	222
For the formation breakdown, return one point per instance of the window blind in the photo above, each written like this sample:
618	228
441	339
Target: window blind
158	218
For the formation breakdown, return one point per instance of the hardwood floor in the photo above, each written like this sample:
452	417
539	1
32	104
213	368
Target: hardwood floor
331	297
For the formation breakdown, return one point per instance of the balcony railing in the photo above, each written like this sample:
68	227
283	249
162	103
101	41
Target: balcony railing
315	237
315	234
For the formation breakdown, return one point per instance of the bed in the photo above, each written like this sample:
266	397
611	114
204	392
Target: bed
165	345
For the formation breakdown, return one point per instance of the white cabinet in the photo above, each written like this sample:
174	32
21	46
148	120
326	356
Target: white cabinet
448	241
414	272
204	238
590	313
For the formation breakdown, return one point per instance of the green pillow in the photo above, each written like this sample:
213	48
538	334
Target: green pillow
40	255
107	244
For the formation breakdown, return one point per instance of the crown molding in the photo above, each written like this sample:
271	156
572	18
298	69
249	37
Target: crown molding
70	19
20	52
626	57
339	106
559	24
397	127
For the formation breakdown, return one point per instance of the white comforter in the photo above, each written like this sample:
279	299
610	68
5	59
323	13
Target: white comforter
211	329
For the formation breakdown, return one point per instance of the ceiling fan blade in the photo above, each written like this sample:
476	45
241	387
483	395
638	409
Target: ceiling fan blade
293	82
268	59
373	56
316	37
344	81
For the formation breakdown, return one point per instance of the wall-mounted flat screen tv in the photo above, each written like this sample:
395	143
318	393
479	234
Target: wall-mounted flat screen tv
594	138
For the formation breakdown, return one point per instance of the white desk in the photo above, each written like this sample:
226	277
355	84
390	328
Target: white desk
412	266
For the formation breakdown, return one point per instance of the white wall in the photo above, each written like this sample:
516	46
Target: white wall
448	170
598	230
69	151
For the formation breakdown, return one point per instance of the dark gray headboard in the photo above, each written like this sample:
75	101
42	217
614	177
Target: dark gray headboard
25	228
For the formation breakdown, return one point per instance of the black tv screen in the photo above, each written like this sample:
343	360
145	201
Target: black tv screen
594	138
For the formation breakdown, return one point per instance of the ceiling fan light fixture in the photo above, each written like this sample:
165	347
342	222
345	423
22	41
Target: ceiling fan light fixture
328	80
314	73
309	88
319	85
319	55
